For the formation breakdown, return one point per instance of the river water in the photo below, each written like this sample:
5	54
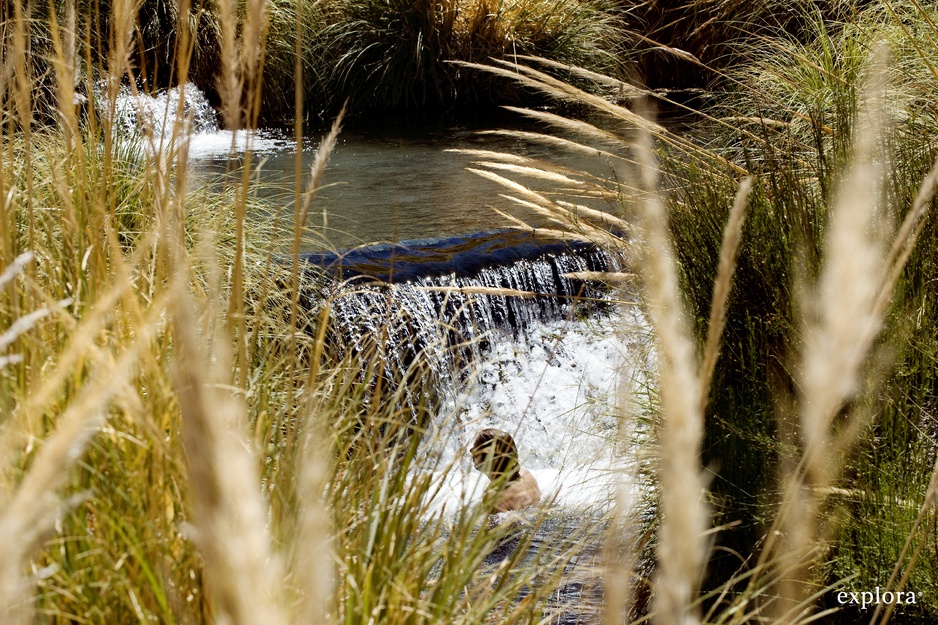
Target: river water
391	183
555	383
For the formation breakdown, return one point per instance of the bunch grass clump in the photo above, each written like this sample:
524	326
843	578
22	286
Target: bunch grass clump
397	56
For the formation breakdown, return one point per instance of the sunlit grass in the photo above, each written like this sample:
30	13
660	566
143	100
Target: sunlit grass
181	443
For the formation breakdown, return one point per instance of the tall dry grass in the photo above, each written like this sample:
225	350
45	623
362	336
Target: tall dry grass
175	449
785	578
178	444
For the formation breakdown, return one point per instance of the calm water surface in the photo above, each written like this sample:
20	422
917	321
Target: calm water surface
395	183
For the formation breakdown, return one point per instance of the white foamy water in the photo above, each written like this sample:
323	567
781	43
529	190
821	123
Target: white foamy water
135	113
227	142
557	391
158	114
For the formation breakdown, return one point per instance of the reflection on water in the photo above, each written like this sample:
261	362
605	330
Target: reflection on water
393	184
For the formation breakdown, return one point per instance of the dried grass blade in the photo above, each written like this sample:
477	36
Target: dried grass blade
533	196
228	509
15	268
586	211
567	144
534	172
582	129
31	511
842	322
609	277
626	89
681	547
491	155
732	235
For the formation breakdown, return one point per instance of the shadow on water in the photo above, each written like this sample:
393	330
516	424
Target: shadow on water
566	549
458	257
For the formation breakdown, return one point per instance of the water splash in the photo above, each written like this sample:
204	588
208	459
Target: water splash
157	115
135	114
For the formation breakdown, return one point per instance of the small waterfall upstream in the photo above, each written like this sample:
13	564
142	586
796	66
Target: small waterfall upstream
135	114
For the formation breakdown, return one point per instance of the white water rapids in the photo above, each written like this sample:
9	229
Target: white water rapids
558	390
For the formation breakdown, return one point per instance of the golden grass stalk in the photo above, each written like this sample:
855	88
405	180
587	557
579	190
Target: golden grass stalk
536	173
230	81
228	508
684	515
316	550
254	27
842	322
623	543
624	89
505	157
123	17
15	268
315	566
301	216
722	285
582	129
21	326
32	510
560	142
558	89
568	216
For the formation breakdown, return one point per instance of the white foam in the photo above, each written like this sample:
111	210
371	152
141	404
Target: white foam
556	391
221	143
135	113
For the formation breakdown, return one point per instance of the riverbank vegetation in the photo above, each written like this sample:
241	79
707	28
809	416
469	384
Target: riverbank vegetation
175	446
796	125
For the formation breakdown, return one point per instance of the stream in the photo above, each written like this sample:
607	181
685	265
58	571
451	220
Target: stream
551	375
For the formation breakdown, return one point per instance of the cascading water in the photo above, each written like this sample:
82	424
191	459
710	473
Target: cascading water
449	317
157	114
544	368
437	324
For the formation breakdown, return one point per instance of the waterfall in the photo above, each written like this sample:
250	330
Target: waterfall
545	368
157	112
136	114
431	308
